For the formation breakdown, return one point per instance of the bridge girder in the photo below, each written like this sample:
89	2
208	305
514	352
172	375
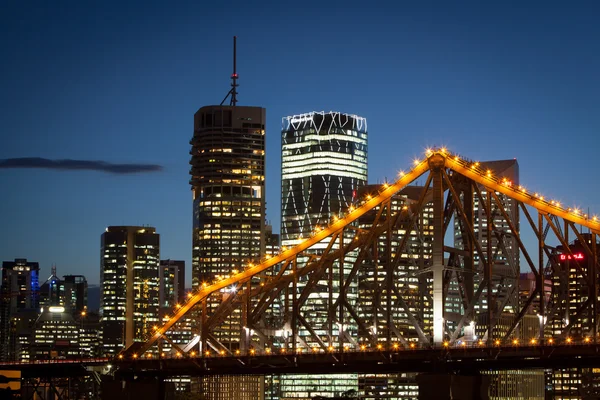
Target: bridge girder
386	277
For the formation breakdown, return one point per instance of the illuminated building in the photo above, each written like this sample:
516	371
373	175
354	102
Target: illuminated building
415	288
506	267
415	257
228	192
172	282
56	335
323	164
19	293
129	276
228	188
527	286
70	292
388	386
89	334
569	291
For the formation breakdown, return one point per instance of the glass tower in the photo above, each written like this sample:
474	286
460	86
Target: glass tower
129	276
324	163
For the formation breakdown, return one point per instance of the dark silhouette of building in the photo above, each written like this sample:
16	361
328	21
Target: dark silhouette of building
76	293
172	282
19	293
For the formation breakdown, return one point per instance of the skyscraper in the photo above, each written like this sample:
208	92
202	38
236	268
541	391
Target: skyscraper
228	188
76	292
129	275
504	246
172	282
20	292
324	163
228	191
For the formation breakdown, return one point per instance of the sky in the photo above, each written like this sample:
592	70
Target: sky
114	88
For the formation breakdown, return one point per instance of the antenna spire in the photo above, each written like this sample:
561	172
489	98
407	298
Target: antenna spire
234	77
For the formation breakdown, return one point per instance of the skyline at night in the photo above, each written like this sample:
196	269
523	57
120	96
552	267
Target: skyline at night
114	89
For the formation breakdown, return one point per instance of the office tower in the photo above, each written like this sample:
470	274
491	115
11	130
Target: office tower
324	163
569	293
412	286
416	255
76	293
69	292
56	335
505	250
20	292
527	283
228	188
272	246
52	291
129	275
172	282
228	178
89	334
21	335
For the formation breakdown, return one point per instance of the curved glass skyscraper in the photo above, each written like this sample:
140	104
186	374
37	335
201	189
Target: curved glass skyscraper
323	163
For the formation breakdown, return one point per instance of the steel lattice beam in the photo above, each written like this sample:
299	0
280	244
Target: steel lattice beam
453	185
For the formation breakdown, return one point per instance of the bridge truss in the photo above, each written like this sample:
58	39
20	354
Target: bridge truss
436	269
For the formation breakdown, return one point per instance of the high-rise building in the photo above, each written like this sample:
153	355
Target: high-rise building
324	163
76	293
228	189
19	293
56	335
129	275
172	282
504	246
414	287
569	292
69	292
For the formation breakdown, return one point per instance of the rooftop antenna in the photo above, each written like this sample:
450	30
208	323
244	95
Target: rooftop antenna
234	77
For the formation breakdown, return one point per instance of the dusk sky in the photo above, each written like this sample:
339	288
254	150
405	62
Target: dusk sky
110	84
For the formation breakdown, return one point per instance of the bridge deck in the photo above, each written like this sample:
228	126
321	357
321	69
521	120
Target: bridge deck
421	360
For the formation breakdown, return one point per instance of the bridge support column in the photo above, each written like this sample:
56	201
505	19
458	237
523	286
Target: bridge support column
437	163
448	386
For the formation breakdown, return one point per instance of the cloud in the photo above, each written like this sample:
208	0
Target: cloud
77	165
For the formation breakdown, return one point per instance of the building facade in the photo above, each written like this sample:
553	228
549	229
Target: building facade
129	276
19	293
172	282
228	190
324	164
504	247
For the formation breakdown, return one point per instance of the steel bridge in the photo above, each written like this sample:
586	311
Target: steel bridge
387	278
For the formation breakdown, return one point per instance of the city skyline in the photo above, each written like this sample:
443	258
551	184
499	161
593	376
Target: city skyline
123	92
